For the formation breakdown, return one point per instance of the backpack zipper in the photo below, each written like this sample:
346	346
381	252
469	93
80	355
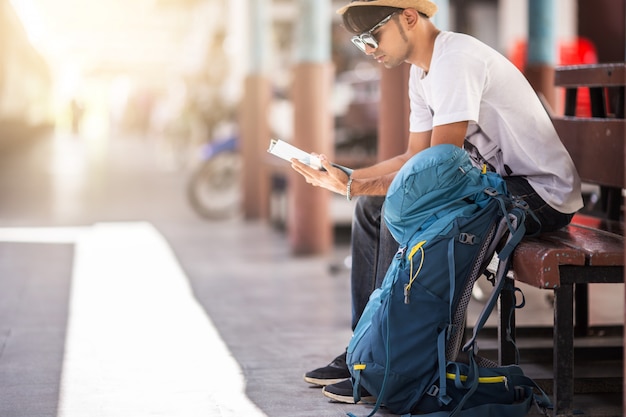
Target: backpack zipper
484	379
412	277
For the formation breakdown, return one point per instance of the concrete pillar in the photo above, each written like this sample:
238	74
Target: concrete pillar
254	124
542	48
394	110
255	134
309	224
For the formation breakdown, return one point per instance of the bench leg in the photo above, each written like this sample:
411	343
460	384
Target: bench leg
563	365
506	352
581	295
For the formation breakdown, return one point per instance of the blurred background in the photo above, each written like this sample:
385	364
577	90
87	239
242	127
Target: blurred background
172	72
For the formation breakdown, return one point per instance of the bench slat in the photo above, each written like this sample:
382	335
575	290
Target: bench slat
596	147
536	261
605	75
600	248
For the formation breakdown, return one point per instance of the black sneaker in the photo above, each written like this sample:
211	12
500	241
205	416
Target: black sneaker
334	372
342	392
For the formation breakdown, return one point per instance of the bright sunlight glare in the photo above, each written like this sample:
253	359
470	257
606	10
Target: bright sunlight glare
89	45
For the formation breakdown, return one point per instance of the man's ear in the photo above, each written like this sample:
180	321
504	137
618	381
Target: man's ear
410	16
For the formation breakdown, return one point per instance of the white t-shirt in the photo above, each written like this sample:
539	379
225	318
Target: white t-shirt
508	126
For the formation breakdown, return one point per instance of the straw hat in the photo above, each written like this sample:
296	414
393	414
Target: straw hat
425	6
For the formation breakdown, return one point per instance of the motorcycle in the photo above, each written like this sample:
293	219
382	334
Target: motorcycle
214	189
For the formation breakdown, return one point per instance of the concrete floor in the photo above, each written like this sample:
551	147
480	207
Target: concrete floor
116	300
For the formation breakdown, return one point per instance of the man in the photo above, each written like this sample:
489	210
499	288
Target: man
461	92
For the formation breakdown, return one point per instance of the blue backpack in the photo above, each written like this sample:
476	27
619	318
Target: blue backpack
448	218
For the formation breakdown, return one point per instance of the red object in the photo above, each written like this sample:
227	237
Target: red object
575	52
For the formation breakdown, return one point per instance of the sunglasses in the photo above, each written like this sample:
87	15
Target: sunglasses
367	38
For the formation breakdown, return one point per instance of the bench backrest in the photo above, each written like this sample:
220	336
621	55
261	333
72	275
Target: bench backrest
596	143
596	147
605	83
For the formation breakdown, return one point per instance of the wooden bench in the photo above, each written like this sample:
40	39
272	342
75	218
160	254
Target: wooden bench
591	249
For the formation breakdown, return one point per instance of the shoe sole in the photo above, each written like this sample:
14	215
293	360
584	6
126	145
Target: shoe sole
347	399
323	382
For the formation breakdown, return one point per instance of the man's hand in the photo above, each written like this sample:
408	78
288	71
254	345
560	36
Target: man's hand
331	178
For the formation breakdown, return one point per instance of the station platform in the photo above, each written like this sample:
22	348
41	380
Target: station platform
116	300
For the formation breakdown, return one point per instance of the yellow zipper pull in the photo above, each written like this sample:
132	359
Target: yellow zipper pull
407	287
416	248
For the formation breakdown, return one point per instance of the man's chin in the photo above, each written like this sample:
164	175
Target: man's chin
390	65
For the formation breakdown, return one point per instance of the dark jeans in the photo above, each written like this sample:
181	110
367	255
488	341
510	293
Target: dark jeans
373	247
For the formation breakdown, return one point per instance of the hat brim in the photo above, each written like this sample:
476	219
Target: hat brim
424	6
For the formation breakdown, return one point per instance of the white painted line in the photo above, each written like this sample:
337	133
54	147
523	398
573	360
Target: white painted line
138	343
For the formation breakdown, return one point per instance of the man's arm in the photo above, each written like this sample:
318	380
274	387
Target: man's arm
375	180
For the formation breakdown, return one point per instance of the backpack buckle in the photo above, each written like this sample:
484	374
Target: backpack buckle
490	191
521	204
433	391
467	238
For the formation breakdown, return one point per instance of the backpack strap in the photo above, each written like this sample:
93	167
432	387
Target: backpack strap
444	334
510	410
515	223
356	381
442	394
532	394
471	384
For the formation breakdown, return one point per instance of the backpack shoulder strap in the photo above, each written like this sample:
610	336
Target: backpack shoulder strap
514	221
